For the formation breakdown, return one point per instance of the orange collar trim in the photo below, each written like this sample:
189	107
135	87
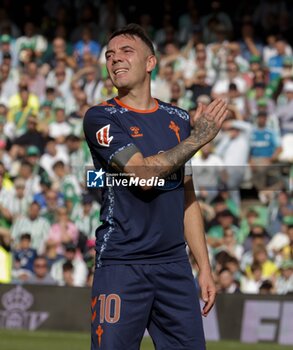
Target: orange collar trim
154	109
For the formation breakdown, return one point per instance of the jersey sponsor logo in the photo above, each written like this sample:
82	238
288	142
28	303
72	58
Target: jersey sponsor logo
135	131
175	128
103	137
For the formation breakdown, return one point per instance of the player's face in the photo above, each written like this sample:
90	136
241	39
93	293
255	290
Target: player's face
128	61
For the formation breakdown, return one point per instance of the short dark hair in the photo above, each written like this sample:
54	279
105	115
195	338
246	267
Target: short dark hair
132	30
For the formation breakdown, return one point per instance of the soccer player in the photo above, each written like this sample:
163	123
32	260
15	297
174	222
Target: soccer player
143	278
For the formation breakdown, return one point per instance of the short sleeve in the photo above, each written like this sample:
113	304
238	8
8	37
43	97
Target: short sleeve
104	134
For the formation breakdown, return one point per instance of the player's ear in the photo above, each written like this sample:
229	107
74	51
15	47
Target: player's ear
151	63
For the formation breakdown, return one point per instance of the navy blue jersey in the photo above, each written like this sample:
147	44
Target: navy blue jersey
138	226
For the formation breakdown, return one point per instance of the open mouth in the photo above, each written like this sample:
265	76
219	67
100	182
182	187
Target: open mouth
120	71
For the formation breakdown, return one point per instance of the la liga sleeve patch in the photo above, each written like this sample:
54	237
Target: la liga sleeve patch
103	136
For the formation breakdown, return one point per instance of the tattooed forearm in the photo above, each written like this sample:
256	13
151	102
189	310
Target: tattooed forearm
206	124
166	163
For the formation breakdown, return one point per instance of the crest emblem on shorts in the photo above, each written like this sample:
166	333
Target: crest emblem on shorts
103	137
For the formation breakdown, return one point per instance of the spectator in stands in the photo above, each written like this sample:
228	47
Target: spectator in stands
198	85
68	185
22	105
284	282
80	271
53	200
179	97
264	152
24	256
257	234
230	244
8	83
31	136
7	49
86	216
285	113
235	135
59	128
208	173
226	283
269	268
32	223
68	270
86	44
249	43
63	231
225	220
221	86
53	153
252	284
41	272
275	63
257	240
36	81
18	202
215	19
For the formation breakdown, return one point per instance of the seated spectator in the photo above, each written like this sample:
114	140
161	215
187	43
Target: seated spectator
230	244
226	283
252	284
30	137
68	185
63	231
269	268
24	255
86	44
18	202
216	233
53	153
86	216
51	253
53	200
198	85
208	173
221	87
60	128
284	282
257	234
80	270
41	273
32	223
68	269
21	106
36	81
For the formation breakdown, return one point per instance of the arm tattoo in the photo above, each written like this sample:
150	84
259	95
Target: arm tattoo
166	163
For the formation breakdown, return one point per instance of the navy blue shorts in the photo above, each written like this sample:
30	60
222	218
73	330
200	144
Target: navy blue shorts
127	299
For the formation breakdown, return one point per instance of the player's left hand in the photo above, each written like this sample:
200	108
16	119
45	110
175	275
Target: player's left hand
208	291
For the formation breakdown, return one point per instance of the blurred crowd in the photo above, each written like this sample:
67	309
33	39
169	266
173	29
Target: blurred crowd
52	69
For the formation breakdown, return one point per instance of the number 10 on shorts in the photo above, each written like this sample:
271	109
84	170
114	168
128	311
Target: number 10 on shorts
110	306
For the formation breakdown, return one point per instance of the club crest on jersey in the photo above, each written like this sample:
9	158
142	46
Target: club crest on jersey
103	137
175	128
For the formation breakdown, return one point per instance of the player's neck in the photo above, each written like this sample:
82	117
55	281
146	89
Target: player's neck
138	100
